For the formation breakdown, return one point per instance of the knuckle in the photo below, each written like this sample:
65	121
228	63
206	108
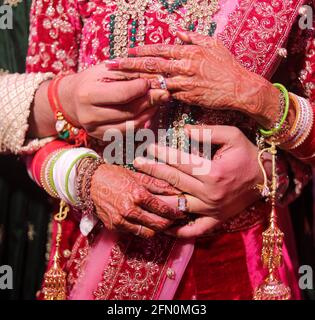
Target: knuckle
147	234
117	221
217	175
236	132
139	194
217	197
174	179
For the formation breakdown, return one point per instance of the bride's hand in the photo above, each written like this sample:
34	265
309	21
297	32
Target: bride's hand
205	73
126	201
215	189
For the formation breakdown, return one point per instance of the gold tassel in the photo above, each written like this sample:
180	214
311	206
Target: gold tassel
55	278
272	288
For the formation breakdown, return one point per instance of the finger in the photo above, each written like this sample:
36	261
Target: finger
190	164
135	229
155	205
174	177
110	76
218	134
99	132
158	50
151	65
193	204
177	83
118	92
198	228
153	185
158	96
195	38
100	115
147	219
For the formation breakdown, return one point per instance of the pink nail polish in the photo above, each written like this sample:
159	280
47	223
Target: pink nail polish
132	52
147	125
112	64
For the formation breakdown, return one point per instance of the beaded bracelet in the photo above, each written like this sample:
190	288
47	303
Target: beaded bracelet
86	170
64	128
284	104
74	162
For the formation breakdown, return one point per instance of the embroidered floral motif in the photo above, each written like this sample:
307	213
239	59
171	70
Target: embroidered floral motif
253	29
76	263
136	269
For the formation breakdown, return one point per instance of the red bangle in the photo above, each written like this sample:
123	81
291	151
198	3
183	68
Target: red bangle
65	129
36	163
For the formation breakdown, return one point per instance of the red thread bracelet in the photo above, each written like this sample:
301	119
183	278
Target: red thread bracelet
65	129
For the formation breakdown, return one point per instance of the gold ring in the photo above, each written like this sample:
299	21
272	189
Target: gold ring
182	202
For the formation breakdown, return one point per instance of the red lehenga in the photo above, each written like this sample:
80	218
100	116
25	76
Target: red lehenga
73	34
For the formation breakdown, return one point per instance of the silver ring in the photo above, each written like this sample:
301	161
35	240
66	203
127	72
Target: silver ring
182	202
139	231
162	82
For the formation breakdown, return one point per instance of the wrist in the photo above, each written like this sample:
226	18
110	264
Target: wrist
271	108
259	99
41	119
66	94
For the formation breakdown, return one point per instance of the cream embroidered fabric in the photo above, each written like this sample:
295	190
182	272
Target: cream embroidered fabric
16	95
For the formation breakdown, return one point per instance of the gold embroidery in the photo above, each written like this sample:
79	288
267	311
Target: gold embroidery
135	269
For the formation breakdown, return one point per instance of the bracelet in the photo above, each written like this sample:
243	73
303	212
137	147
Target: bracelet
64	128
87	168
45	177
284	104
63	172
303	123
72	172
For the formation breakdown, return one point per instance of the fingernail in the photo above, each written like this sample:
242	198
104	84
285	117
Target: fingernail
132	52
147	125
165	97
139	161
112	64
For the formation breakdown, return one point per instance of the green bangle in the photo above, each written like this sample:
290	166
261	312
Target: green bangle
278	126
85	155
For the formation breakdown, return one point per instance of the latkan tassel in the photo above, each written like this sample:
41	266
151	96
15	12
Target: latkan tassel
55	284
272	288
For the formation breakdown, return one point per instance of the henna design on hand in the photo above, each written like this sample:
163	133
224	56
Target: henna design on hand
123	204
206	74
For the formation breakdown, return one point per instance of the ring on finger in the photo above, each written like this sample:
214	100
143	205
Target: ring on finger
182	202
139	231
162	82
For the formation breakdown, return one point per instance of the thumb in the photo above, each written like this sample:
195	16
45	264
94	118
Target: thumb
158	96
212	134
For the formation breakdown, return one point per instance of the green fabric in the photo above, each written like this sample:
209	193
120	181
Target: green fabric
13	43
24	207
